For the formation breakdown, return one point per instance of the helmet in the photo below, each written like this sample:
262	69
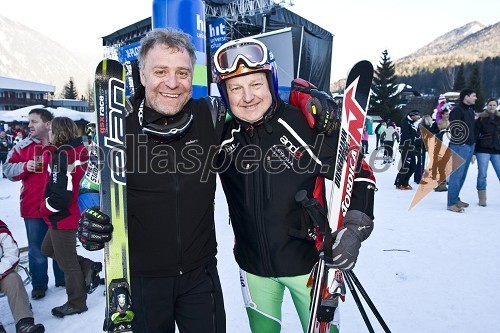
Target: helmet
241	57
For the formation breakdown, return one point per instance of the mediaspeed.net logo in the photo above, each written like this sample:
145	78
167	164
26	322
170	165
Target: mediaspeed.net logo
443	161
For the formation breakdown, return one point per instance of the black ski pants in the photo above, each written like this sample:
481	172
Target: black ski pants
407	169
192	300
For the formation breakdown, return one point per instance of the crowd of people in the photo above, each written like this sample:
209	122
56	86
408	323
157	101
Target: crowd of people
457	135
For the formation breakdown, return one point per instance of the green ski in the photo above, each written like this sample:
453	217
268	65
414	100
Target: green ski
110	104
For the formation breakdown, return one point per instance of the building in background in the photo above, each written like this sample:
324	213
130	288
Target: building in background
73	104
17	93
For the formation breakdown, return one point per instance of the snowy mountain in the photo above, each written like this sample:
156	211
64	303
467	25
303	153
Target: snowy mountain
467	44
27	54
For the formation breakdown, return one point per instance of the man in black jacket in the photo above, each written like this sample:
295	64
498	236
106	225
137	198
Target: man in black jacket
268	154
174	278
409	136
462	142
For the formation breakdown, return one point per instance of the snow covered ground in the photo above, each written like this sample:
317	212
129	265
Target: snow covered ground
426	270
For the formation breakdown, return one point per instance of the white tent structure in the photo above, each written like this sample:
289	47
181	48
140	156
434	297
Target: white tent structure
21	115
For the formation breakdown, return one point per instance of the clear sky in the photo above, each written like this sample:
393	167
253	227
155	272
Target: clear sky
362	28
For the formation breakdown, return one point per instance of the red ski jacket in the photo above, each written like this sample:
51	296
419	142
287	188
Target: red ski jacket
33	182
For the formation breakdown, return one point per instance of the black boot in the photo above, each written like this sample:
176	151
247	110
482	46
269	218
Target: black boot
27	325
67	310
92	278
38	292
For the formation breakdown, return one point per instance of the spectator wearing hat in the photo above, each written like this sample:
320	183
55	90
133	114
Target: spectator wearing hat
409	136
442	106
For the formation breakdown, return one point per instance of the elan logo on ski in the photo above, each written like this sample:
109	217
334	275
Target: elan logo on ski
110	92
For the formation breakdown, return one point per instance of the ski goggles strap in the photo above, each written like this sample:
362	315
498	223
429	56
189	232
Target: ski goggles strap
252	52
170	132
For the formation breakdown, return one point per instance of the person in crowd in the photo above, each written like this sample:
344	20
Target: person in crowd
19	132
381	127
409	136
421	146
60	212
441	153
487	146
18	137
12	285
273	246
88	196
179	284
388	137
364	141
5	146
442	107
462	142
21	166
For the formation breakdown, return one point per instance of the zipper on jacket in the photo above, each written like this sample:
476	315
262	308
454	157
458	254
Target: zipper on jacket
178	223
267	172
259	213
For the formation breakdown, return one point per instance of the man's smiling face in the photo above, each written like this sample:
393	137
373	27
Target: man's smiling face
167	75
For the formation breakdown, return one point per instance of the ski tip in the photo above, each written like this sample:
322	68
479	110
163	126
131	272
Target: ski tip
363	65
106	63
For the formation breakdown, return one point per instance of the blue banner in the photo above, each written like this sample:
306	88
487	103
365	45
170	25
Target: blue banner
128	52
216	33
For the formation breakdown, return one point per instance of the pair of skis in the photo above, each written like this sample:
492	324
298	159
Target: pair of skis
110	126
327	282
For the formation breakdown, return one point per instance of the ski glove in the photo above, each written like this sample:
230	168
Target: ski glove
318	107
94	229
356	227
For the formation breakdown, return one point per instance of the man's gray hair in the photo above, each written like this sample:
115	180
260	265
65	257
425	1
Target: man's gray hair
171	38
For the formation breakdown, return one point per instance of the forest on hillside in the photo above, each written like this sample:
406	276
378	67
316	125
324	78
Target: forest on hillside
441	79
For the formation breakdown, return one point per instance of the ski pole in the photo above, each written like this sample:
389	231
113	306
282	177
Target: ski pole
358	302
368	300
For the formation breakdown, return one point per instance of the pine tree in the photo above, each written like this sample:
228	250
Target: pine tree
69	90
475	84
459	83
89	95
385	99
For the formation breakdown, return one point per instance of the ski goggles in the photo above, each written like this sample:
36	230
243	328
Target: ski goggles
251	51
170	132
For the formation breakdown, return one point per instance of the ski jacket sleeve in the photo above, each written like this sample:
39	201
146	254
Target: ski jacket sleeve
9	252
15	167
58	192
363	193
382	136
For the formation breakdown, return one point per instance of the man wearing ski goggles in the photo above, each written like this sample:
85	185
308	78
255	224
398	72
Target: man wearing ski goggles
274	242
252	52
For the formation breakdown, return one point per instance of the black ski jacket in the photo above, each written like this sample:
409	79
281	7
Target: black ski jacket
462	124
261	168
170	194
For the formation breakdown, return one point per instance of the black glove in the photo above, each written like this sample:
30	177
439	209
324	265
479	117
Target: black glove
94	229
356	227
319	108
